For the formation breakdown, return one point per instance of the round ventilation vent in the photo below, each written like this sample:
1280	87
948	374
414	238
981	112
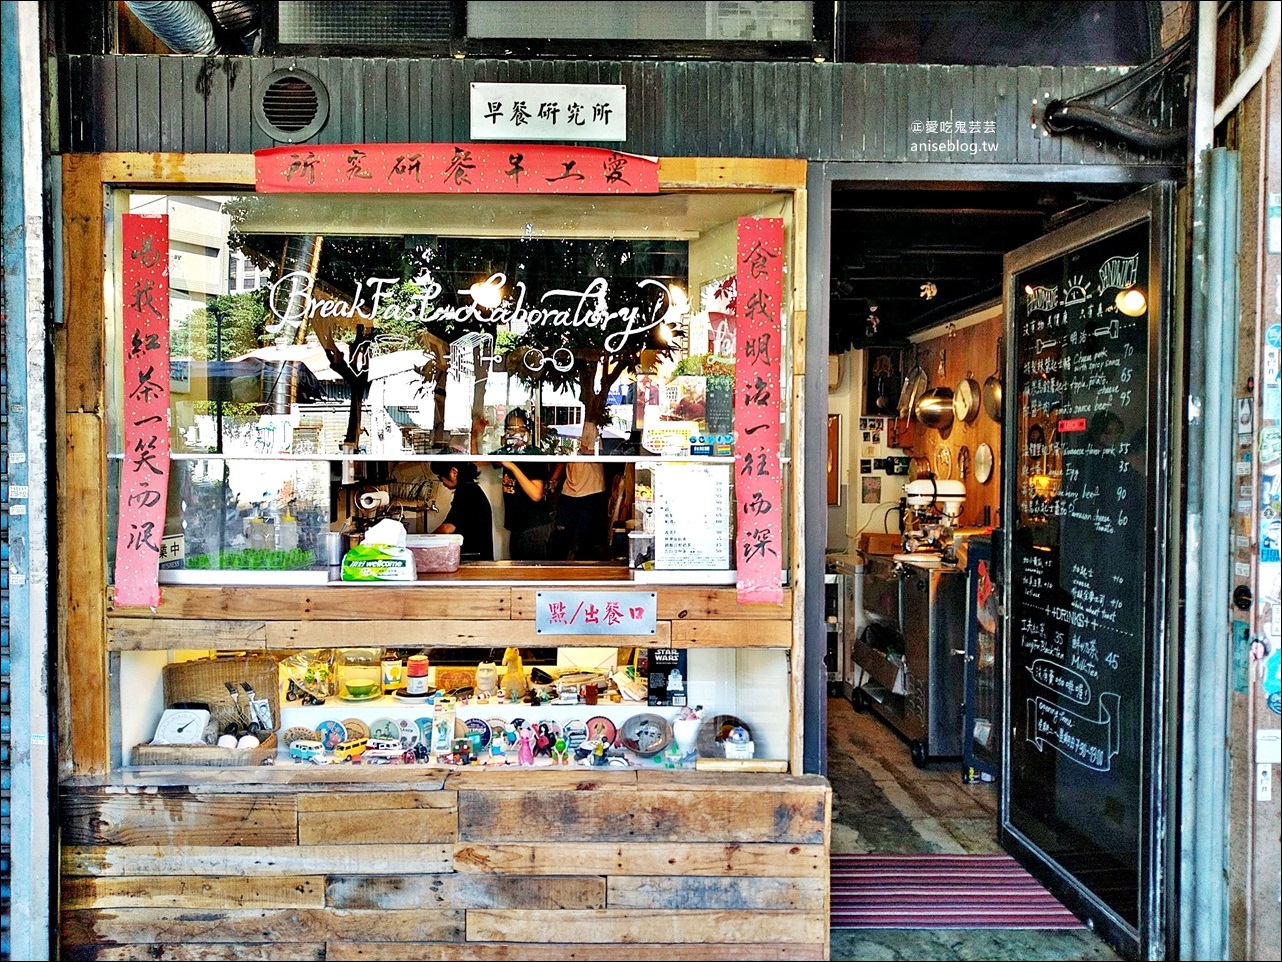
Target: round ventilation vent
291	105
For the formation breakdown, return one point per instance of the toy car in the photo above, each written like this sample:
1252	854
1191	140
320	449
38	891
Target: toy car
305	750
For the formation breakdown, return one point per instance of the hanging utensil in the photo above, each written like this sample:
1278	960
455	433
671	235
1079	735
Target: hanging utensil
915	382
993	389
935	406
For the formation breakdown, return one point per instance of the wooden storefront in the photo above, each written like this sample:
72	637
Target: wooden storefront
405	862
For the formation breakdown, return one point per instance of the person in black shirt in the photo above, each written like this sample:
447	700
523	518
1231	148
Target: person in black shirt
470	514
526	513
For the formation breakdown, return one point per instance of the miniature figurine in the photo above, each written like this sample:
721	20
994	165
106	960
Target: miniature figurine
560	751
525	747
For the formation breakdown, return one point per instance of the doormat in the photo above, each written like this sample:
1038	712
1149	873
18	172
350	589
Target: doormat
941	892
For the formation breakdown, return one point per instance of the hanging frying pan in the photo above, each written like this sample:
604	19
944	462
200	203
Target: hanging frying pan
914	384
993	389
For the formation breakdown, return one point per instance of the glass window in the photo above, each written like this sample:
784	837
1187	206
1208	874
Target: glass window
332	356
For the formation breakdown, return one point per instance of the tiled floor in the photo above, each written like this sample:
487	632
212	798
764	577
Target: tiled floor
883	803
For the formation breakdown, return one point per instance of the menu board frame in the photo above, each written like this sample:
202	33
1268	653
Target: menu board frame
1046	842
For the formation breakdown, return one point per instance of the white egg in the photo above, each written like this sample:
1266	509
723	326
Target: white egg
227	741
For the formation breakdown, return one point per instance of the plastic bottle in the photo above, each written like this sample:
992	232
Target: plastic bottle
287	532
258	533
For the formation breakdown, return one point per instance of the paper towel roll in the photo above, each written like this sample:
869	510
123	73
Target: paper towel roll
371	500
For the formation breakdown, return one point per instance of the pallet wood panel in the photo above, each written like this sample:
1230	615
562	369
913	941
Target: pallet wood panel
566	952
702	892
271	925
467	892
164	818
641	816
146	634
632	925
324	603
444	634
423	826
372	801
198	952
731	634
110	860
186	892
697	858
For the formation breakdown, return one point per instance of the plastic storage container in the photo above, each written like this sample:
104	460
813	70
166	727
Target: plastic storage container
435	552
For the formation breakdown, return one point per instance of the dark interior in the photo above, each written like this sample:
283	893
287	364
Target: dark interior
905	260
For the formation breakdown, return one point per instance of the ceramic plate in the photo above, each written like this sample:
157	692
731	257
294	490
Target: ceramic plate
424	730
646	734
600	727
385	728
356	728
299	733
483	727
575	733
409	733
331	733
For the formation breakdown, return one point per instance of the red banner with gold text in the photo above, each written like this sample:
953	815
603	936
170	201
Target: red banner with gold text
144	473
453	169
757	404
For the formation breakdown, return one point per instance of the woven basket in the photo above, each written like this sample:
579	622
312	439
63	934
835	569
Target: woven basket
205	682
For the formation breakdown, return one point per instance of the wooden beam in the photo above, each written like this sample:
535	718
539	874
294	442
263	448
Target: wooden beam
731	634
560	952
737	858
146	634
725	173
677	604
206	860
177	170
201	952
84	275
465	892
325	603
82	525
187	892
634	925
160	819
702	892
349	826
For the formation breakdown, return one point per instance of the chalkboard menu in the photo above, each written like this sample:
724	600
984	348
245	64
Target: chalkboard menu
1082	559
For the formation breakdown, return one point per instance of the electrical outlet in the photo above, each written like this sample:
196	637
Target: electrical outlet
1264	783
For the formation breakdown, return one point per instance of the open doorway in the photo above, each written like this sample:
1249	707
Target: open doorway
916	326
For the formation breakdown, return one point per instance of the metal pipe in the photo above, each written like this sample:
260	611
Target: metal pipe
23	258
1258	64
182	25
1194	924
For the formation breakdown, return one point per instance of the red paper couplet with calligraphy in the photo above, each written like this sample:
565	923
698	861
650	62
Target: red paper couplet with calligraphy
453	169
144	473
757	403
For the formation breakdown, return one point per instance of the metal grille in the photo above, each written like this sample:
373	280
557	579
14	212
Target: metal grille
374	23
290	104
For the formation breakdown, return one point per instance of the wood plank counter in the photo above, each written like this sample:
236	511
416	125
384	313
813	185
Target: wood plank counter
421	862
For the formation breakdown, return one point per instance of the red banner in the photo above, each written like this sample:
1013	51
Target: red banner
144	473
481	168
758	400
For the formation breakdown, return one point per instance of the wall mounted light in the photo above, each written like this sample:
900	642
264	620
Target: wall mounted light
1131	302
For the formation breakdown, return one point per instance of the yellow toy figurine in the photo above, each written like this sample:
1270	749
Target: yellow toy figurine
513	674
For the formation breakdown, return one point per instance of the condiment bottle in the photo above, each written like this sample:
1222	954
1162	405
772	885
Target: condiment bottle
416	667
392	671
287	532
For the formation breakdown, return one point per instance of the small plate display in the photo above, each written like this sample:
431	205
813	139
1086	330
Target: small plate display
409	733
385	728
575	733
646	734
424	730
299	733
356	728
331	733
481	726
602	729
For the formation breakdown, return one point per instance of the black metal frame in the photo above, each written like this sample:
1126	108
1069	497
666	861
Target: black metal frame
1155	205
461	46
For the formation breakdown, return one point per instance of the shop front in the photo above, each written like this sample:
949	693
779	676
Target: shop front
353	671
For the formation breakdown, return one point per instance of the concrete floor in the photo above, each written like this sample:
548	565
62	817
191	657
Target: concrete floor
883	803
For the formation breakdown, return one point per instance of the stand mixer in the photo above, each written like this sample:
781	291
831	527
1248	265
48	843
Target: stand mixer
932	509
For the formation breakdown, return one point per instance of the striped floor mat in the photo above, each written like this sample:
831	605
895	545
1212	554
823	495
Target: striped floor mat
941	892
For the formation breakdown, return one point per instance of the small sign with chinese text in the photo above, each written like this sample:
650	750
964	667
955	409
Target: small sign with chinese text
549	111
595	612
144	473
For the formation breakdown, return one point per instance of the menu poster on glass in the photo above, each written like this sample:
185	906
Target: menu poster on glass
692	509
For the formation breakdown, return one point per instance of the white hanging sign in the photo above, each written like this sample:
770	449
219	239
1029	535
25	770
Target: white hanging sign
567	112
